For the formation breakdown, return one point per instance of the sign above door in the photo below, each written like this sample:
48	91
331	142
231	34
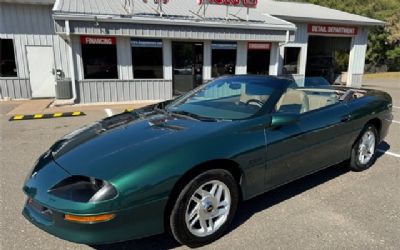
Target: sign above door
332	29
259	46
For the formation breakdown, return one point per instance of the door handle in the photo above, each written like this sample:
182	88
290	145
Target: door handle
345	118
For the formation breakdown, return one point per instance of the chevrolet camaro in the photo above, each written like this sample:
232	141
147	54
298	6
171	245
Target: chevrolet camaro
182	166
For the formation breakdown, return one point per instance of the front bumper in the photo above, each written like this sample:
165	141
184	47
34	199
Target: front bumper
128	224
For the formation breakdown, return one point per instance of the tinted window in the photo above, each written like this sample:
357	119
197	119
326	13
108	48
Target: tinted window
147	59
7	58
99	61
223	59
258	62
314	81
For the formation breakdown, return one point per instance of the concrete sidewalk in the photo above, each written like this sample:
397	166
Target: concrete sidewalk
36	106
43	106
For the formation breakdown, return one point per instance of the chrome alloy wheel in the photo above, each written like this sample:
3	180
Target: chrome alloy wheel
366	147
208	208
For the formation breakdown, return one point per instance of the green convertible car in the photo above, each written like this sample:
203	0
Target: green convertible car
183	166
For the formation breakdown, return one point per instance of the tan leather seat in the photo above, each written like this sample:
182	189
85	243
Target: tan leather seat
245	98
293	101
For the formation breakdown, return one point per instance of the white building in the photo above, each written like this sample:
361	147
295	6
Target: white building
114	51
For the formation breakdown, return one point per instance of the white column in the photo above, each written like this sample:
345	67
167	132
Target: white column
303	60
281	55
167	57
77	57
124	57
207	60
274	60
357	59
241	58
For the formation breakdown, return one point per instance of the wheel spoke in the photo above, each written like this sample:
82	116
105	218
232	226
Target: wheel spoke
196	218
211	224
195	199
219	194
214	189
221	212
371	149
203	224
194	212
223	204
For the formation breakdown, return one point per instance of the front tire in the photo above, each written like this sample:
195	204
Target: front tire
363	152
205	208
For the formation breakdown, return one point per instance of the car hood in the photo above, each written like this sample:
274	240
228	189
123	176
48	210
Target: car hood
120	143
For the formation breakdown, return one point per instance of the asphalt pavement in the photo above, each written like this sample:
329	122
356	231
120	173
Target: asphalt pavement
332	209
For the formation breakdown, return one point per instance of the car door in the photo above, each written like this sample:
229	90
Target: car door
314	142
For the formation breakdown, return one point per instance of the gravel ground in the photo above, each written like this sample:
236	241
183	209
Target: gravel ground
331	209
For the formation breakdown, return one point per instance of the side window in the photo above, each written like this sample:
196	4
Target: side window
321	99
293	101
299	101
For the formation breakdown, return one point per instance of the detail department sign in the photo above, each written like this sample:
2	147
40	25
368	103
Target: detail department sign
332	29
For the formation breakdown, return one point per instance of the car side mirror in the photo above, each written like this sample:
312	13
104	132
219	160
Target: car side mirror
284	119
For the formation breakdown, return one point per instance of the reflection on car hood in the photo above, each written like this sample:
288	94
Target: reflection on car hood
87	150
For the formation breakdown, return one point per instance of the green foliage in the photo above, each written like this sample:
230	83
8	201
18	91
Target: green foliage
384	43
341	60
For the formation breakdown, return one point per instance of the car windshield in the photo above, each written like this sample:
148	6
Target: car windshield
315	81
228	98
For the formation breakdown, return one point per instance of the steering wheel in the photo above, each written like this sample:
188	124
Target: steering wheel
255	102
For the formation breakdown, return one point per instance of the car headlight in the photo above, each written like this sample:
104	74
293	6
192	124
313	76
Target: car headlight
84	189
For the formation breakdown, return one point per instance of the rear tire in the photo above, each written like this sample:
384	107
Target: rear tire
363	152
205	208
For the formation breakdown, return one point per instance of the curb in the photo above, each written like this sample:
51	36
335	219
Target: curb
46	116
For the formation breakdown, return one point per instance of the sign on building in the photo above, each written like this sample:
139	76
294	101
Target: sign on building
98	40
259	46
332	29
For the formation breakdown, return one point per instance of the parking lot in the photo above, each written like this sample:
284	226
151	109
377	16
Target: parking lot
332	209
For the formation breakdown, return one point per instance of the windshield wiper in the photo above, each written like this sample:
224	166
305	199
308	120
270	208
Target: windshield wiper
194	116
185	114
180	114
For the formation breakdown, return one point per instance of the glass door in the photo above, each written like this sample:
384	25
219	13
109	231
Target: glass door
187	63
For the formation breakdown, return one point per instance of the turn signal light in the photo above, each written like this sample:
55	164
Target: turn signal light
89	219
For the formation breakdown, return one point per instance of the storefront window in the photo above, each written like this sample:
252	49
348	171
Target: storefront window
223	58
99	55
258	58
291	61
147	58
7	58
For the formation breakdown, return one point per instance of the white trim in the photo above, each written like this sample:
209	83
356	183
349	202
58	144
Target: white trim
167	59
108	112
388	153
71	61
241	58
330	21
178	22
207	55
395	121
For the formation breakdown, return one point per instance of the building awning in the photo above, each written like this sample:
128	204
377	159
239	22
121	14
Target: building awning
306	12
179	19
